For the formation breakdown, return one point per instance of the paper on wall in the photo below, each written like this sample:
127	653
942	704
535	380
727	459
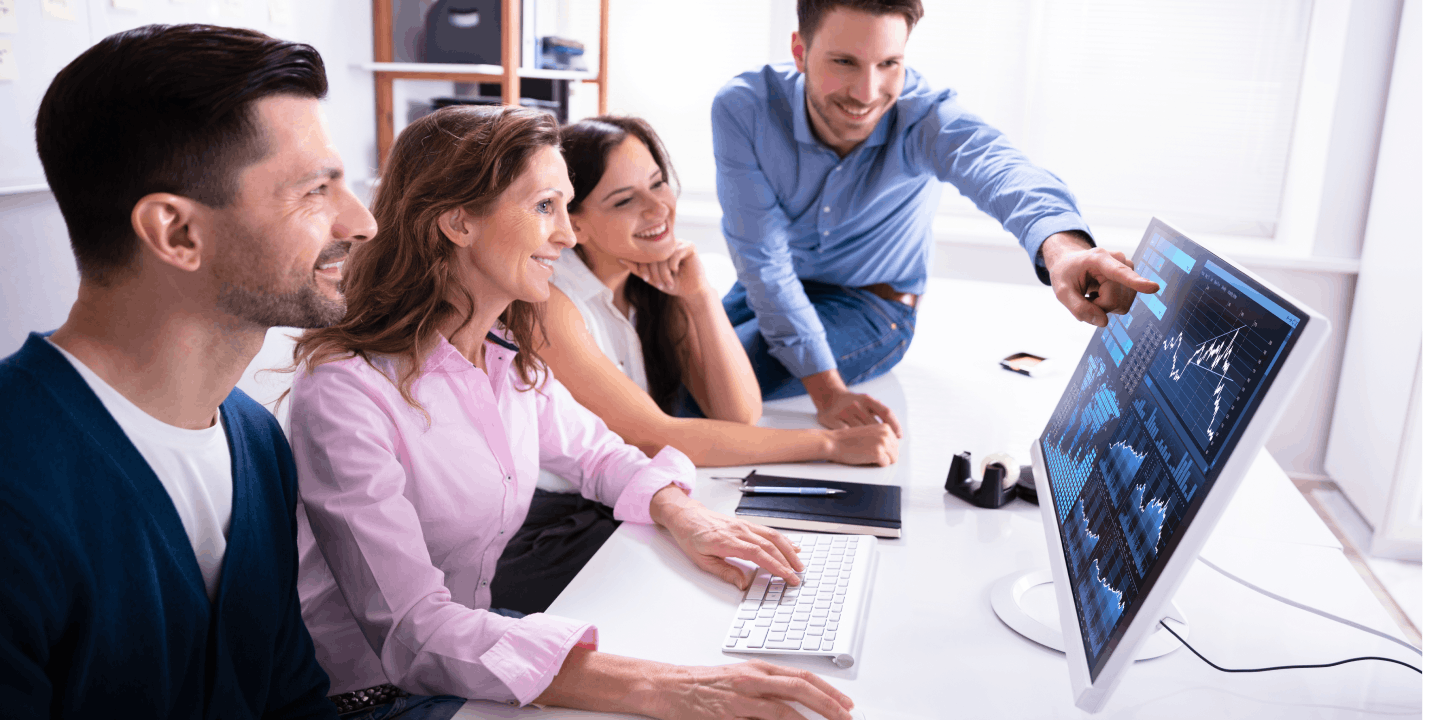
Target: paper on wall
61	9
8	22
126	5
8	69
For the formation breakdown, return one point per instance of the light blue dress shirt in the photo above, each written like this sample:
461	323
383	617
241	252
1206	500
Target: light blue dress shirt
794	210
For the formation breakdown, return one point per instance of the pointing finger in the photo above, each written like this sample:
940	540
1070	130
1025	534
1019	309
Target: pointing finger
1120	272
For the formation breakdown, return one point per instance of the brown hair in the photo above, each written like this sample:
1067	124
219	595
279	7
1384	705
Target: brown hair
398	286
811	12
658	320
161	108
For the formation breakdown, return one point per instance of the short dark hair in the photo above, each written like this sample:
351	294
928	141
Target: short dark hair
161	108
811	12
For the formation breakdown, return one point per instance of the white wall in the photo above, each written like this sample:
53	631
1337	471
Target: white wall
667	60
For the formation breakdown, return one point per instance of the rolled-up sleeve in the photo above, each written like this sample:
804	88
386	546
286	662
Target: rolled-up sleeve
576	445
353	486
756	229
1029	201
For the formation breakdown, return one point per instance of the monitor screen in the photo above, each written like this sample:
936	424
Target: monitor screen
1150	418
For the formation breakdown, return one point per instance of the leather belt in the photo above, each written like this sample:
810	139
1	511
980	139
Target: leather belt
369	697
883	290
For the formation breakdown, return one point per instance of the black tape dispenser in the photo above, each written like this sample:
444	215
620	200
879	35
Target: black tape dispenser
1001	480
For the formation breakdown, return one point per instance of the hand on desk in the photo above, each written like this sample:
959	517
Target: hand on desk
1090	281
864	445
753	689
836	407
591	680
709	537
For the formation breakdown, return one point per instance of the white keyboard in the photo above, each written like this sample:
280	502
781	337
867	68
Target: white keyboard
821	616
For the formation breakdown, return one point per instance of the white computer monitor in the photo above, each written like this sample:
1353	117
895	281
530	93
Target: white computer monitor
1160	423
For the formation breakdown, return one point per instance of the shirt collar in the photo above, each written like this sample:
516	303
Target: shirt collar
500	352
801	118
580	279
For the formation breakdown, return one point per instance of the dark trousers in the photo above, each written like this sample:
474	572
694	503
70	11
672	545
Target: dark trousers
867	334
561	533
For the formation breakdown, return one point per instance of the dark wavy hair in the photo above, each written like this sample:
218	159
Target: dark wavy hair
659	321
398	286
161	108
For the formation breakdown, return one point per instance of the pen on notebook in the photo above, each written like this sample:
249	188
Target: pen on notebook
774	490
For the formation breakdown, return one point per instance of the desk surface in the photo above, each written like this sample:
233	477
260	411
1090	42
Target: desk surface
932	647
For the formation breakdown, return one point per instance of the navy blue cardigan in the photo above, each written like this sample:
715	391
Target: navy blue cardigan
103	610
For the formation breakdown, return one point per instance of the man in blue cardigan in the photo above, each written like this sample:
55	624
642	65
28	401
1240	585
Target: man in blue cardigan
147	508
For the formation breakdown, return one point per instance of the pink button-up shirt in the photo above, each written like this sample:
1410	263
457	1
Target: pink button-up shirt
407	518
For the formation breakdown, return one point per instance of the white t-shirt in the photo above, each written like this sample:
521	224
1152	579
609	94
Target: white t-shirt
613	333
193	465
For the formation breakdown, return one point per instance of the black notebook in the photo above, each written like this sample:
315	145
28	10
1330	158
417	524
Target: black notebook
862	510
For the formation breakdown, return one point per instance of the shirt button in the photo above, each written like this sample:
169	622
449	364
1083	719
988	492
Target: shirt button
827	208
826	233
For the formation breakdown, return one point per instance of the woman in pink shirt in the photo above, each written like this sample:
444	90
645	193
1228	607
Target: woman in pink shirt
420	424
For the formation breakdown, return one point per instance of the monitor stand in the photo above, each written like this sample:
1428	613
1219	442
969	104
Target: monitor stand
1005	597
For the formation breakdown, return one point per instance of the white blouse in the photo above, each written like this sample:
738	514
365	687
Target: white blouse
613	333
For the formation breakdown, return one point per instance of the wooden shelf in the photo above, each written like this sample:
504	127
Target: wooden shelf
405	70
507	74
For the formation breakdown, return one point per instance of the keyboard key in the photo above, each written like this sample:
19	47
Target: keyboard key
762	622
747	614
784	645
736	632
830	636
732	642
755	641
794	635
812	643
767	612
828	645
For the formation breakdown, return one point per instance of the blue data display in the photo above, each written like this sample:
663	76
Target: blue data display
1149	419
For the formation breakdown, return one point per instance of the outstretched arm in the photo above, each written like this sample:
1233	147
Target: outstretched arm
597	384
1090	281
1032	204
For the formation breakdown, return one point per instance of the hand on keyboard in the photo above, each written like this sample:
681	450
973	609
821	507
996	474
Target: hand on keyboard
709	537
753	689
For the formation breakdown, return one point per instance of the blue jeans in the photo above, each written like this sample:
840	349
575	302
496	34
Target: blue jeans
415	707
867	334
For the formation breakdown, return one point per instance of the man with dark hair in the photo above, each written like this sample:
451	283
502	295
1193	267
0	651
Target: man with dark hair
828	173
147	508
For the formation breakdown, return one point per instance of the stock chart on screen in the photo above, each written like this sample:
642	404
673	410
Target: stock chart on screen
1150	417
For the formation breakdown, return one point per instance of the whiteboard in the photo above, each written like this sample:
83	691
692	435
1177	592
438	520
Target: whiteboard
37	40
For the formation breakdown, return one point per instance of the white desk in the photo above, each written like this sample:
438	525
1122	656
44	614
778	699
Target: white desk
932	647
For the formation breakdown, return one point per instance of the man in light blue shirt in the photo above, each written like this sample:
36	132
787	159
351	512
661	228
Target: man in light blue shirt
829	174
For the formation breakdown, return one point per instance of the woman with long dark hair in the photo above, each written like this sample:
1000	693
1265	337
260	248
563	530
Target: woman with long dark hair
640	336
420	423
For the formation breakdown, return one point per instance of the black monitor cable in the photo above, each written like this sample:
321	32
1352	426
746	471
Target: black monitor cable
1281	667
1306	608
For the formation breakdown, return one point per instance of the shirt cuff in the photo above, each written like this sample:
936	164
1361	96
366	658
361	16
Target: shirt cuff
805	358
1042	229
529	655
668	467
